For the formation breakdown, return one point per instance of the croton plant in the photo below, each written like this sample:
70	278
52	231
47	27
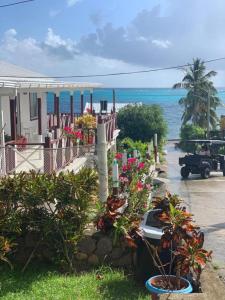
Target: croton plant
183	239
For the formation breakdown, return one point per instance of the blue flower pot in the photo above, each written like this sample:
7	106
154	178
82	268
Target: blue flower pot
157	291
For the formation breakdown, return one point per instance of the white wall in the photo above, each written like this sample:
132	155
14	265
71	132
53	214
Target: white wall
29	128
6	114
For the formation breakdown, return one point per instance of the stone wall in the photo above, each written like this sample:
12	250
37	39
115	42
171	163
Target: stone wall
99	248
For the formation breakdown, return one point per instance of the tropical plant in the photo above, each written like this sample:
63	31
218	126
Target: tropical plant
141	122
45	215
184	241
200	90
86	121
190	132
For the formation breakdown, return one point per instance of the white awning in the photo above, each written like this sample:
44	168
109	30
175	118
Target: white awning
11	87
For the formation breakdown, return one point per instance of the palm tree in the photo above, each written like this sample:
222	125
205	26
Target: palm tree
200	90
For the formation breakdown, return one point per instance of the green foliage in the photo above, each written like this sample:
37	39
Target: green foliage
48	284
140	122
190	132
130	146
200	89
44	215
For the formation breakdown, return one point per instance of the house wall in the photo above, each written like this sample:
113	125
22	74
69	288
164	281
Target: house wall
6	114
29	128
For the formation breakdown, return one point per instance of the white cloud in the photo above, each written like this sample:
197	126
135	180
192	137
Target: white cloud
162	43
59	47
71	3
53	13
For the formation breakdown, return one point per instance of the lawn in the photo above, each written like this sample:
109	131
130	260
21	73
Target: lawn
103	283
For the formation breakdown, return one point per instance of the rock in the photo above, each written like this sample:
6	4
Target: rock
87	245
98	235
124	261
116	253
81	256
93	260
104	246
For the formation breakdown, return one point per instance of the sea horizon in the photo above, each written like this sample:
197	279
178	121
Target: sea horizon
167	98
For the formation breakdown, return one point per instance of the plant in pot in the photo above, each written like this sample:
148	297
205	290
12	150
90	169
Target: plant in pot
184	242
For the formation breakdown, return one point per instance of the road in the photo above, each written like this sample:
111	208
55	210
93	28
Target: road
205	198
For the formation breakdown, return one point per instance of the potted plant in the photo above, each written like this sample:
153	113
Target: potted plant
184	242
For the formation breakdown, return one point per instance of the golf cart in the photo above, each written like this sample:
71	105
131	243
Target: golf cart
205	158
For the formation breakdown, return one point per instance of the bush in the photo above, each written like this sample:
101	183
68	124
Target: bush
141	122
190	132
44	215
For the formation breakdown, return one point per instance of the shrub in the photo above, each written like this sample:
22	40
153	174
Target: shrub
44	215
190	132
141	122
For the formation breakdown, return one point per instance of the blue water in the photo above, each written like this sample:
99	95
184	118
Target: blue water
166	98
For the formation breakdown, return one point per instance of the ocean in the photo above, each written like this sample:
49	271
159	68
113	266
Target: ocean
165	97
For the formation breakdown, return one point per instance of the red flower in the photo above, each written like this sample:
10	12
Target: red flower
131	160
78	134
125	168
118	155
141	165
140	186
68	129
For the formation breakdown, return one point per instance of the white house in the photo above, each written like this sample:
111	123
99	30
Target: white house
23	95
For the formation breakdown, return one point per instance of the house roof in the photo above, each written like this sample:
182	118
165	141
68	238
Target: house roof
13	77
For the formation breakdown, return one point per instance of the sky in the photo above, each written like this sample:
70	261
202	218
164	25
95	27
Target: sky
79	37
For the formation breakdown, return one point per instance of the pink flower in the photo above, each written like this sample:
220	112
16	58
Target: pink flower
139	186
118	155
148	186
141	165
131	160
124	179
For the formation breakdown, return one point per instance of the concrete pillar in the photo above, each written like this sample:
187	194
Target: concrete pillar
2	137
102	161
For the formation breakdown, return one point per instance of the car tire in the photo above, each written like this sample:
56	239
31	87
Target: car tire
205	173
184	172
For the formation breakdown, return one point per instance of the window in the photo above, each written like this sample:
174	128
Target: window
33	106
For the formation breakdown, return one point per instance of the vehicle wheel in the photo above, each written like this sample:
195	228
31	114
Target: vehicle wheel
223	172
205	173
184	172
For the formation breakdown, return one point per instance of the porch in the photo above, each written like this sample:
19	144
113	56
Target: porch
43	145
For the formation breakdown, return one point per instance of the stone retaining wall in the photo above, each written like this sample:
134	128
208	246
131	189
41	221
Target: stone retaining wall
99	248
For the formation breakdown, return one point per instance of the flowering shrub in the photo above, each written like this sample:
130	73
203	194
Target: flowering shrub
122	215
74	135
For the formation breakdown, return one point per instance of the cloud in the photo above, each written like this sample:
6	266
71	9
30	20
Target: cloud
96	18
71	3
163	37
55	12
162	43
58	47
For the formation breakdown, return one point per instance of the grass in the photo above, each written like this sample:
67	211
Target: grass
35	284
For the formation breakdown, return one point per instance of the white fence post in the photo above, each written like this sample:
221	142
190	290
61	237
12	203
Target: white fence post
102	150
